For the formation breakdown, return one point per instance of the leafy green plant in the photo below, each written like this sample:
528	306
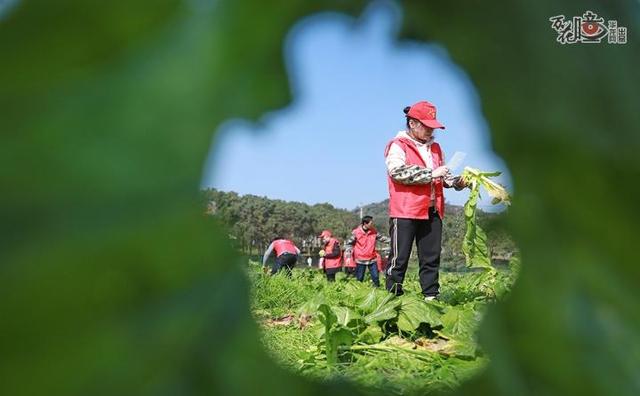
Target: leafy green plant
346	328
147	315
474	246
414	312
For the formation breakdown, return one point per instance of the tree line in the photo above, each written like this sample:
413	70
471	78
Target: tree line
253	221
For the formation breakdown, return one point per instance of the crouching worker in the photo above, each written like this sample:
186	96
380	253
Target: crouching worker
286	255
331	255
362	245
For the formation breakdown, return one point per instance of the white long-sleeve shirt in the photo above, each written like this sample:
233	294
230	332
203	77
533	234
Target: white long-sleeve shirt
400	172
396	157
268	253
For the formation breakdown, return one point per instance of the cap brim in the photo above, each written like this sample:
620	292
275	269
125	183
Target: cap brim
432	124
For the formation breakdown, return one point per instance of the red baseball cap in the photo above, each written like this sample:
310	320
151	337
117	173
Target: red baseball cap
325	233
425	112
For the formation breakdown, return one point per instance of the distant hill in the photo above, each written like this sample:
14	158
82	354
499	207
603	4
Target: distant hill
253	221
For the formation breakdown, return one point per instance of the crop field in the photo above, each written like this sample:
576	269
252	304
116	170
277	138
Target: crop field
352	331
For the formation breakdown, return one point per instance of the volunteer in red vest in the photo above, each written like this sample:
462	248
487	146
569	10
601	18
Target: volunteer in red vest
348	263
384	259
362	245
286	255
331	255
416	177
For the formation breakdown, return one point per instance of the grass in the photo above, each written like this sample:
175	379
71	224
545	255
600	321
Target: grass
403	362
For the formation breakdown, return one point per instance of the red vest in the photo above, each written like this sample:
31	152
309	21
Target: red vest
413	201
365	246
349	262
335	262
282	246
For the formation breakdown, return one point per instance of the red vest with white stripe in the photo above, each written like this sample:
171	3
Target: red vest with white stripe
335	262
282	246
413	201
365	245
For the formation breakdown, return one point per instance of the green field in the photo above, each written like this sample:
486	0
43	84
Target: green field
349	330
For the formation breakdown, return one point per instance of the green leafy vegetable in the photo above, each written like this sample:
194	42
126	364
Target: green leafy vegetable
371	335
415	311
386	309
474	246
459	322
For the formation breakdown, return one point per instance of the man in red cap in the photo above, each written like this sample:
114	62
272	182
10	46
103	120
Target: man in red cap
331	255
416	176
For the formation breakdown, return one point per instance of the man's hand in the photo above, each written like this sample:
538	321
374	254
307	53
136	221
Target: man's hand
440	171
321	253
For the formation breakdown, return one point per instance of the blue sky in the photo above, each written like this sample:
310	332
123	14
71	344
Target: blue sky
350	80
4	6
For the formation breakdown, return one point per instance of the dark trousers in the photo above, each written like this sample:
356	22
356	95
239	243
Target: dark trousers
350	271
331	273
428	237
373	270
286	262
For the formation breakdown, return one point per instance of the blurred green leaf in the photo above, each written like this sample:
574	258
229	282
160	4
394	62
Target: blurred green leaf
112	282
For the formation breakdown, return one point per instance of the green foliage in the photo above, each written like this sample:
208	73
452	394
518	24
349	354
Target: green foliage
476	178
459	321
278	293
335	334
350	326
253	221
113	283
371	335
475	246
482	285
386	309
414	312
